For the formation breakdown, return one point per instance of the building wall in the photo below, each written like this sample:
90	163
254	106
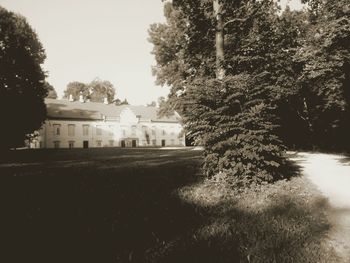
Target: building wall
108	133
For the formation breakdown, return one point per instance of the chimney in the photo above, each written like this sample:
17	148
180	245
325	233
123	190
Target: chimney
71	97
105	100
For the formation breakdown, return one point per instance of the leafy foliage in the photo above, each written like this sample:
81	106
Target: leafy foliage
286	80
95	91
51	92
22	80
325	76
234	118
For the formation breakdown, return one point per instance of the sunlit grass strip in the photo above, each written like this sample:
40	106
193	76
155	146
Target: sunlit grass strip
281	222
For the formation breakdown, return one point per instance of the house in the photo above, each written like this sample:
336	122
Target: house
80	124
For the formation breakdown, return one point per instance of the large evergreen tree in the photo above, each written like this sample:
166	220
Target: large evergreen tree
22	80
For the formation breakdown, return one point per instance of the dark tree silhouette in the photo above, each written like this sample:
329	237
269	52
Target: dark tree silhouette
22	80
51	92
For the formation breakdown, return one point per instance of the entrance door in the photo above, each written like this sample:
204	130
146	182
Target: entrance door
122	144
133	143
85	144
163	143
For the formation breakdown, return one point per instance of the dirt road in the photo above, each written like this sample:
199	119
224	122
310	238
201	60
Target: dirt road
331	174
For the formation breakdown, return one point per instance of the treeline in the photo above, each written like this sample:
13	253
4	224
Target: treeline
283	82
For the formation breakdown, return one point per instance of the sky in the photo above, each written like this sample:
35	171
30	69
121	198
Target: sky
106	39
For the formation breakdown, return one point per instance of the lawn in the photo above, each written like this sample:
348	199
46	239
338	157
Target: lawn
150	205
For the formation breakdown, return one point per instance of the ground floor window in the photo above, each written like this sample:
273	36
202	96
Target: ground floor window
85	144
154	142
71	144
122	144
133	143
172	142
56	144
163	143
98	143
111	143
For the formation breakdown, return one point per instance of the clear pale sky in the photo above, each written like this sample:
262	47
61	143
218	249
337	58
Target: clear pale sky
85	39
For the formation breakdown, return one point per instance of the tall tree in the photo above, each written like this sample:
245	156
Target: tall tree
228	101
325	74
75	89
96	91
51	92
101	89
22	80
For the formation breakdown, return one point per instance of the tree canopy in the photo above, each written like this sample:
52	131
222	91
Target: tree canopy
22	80
277	86
96	91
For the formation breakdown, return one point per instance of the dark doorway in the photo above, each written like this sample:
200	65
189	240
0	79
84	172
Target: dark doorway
133	143
163	143
85	144
122	144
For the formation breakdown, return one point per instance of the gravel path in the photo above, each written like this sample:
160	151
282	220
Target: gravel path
331	174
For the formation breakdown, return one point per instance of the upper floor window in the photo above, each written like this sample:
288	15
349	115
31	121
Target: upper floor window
71	129
133	130
153	130
57	129
85	130
111	130
98	130
163	131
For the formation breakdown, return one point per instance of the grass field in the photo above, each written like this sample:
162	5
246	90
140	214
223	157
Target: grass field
149	205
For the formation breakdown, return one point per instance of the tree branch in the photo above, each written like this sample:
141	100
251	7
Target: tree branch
235	20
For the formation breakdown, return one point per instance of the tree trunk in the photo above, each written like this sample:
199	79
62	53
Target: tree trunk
219	40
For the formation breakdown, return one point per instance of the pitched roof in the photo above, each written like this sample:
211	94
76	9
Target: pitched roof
64	109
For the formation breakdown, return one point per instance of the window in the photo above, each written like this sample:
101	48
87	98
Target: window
172	141
98	143
153	130
98	130
57	129
71	144
172	132
85	144
133	130
56	144
41	144
133	143
124	132
85	130
71	129
154	142
111	143
163	131
111	130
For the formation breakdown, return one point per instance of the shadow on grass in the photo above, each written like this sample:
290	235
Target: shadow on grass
344	160
108	205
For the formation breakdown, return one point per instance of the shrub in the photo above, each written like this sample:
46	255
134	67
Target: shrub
236	128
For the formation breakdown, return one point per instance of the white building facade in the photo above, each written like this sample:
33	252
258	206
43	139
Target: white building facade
88	124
